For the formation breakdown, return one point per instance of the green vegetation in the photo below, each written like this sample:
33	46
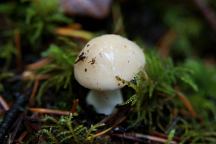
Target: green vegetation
156	93
67	130
60	69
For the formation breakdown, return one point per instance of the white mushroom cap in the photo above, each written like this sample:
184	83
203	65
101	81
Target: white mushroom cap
106	57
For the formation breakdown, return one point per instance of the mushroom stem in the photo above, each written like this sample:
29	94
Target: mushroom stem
104	102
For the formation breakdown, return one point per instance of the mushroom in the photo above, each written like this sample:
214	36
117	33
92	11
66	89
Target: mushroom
101	63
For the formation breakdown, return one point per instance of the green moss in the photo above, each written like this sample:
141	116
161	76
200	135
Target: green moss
67	129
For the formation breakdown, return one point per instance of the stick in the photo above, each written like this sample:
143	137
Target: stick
4	104
50	111
186	103
74	106
18	50
11	116
139	137
207	12
34	91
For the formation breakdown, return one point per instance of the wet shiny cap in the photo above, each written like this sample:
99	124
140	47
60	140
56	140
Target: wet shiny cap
104	59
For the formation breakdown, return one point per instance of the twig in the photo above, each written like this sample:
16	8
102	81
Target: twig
38	64
49	111
163	135
18	50
207	12
64	31
35	88
11	116
102	132
22	136
30	75
4	104
165	43
74	106
16	127
140	137
186	103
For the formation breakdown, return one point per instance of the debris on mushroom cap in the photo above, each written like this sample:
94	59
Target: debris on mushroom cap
106	58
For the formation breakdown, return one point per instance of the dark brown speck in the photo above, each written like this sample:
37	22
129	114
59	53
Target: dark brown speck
80	58
118	78
92	61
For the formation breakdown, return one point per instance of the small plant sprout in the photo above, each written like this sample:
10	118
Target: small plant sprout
101	65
